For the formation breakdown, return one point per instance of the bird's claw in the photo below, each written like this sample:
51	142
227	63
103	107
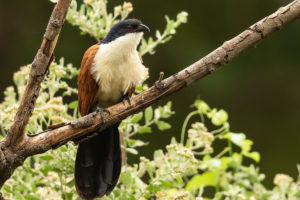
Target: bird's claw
101	111
128	99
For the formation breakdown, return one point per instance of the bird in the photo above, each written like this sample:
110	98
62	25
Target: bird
109	73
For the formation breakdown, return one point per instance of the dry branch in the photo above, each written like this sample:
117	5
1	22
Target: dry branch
12	146
40	66
42	142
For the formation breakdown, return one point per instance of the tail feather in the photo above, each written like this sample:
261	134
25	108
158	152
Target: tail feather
98	164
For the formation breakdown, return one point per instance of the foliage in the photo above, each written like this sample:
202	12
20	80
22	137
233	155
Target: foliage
185	170
189	169
49	108
161	38
94	19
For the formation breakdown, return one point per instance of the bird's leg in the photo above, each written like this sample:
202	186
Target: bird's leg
87	137
126	98
101	111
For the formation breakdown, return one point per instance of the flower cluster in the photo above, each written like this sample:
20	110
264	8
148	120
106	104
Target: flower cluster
50	108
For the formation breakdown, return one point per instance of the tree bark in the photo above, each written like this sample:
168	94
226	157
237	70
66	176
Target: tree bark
24	146
12	146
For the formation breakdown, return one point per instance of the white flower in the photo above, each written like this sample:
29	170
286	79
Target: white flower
182	17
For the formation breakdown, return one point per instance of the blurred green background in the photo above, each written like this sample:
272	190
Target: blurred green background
260	89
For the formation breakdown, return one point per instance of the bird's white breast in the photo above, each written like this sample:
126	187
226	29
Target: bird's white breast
117	67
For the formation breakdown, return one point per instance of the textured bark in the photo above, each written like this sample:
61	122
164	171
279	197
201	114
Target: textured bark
12	152
30	145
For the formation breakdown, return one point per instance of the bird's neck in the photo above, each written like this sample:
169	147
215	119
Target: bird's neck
123	45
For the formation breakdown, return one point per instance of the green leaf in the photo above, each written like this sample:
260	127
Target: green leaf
137	117
63	149
161	125
254	155
236	160
156	114
189	143
148	114
126	178
205	179
30	197
144	129
179	179
167	39
166	184
18	195
201	106
297	194
246	147
71	183
47	157
7	189
136	143
220	117
132	151
157	34
68	195
45	169
237	138
57	170
225	161
67	93
173	140
150	40
212	163
73	105
139	183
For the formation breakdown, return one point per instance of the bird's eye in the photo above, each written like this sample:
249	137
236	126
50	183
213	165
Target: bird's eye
129	28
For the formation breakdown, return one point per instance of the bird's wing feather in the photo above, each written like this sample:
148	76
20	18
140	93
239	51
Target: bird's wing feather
87	85
141	59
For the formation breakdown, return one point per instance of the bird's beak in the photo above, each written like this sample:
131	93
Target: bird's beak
142	28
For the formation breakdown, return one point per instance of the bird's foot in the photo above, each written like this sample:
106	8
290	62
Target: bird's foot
101	111
128	99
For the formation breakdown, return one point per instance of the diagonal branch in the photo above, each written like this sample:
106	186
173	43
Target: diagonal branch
12	146
219	57
40	66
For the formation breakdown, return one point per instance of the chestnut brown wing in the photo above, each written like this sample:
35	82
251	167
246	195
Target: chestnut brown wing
87	85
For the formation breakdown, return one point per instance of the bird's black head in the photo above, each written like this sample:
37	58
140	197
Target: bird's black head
124	27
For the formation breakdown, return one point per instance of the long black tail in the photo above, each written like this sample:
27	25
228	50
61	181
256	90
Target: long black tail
98	164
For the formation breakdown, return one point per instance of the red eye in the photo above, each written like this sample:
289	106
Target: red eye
129	28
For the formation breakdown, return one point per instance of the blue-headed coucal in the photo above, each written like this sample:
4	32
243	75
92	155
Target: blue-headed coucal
109	72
